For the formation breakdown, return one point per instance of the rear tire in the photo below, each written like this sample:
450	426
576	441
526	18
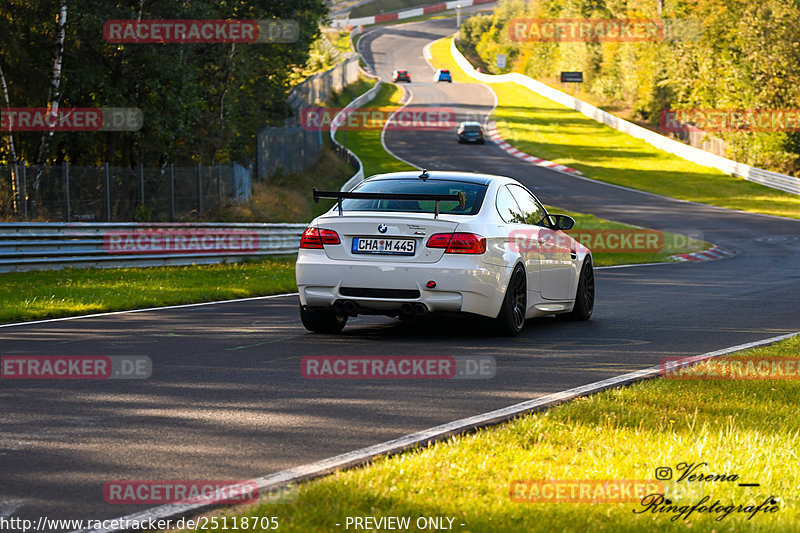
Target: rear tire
511	320
584	297
322	320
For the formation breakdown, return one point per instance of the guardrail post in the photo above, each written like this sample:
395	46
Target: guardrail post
171	193
107	190
65	179
199	190
141	184
219	184
25	191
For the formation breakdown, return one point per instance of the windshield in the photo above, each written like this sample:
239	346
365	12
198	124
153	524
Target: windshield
473	194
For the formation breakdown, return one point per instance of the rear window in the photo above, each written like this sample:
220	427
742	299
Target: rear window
473	195
472	128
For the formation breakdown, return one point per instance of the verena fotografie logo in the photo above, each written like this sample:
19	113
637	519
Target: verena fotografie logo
75	367
593	30
583	490
398	367
169	241
71	119
161	492
195	31
731	368
366	118
719	120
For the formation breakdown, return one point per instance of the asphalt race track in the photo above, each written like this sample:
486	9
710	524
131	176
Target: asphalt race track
227	400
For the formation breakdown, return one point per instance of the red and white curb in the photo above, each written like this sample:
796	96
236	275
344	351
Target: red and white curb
408	13
491	131
712	254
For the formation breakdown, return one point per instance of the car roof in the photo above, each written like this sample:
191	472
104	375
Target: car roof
470	123
441	175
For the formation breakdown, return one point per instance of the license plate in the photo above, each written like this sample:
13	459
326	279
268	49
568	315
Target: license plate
372	245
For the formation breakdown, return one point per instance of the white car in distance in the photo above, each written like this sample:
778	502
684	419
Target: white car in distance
404	245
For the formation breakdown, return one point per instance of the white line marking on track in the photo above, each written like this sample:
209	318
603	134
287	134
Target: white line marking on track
425	437
181	306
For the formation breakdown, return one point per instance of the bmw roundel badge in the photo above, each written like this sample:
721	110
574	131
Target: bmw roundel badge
382	228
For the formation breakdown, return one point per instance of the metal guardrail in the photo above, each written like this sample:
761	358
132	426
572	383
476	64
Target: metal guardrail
774	180
53	246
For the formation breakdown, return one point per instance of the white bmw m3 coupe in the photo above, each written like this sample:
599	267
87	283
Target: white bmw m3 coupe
406	244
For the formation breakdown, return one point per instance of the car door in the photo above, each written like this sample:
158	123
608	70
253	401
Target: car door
522	236
556	268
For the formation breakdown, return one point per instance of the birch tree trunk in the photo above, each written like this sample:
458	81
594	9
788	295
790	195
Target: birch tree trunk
12	150
53	95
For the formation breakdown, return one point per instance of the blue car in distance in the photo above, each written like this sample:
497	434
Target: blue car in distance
442	75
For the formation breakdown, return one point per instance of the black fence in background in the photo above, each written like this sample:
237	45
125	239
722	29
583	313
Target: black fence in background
66	193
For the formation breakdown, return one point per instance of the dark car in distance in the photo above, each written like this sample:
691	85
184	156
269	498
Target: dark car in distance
401	75
471	132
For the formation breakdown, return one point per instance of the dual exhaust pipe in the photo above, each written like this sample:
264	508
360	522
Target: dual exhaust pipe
416	310
407	310
345	308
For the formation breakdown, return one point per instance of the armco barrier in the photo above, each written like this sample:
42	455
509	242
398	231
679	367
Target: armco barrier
342	21
53	246
355	104
701	157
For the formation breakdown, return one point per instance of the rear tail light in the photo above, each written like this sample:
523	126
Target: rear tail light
458	243
314	238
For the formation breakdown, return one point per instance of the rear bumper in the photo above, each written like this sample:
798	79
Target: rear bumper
463	284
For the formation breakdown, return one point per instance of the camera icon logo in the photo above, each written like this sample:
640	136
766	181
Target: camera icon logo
663	473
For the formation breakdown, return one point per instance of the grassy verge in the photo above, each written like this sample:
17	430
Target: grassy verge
539	126
57	293
286	197
366	144
745	428
340	39
671	243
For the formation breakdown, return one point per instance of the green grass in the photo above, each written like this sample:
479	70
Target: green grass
747	428
366	144
58	293
351	92
340	39
539	126
368	147
672	243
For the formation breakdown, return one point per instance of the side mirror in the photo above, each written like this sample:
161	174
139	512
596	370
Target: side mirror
563	222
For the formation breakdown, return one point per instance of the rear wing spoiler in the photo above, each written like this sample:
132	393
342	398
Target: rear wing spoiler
436	198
